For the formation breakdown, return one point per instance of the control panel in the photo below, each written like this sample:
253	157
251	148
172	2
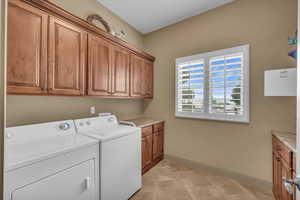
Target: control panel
95	122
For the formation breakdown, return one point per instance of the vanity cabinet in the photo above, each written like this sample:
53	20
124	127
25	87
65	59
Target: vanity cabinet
152	146
60	54
283	168
27	49
67	58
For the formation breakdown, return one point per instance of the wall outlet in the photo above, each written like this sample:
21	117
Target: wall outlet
93	110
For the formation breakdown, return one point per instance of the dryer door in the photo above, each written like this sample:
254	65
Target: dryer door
76	183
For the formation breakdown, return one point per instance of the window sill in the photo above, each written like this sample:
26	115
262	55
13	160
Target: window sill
213	118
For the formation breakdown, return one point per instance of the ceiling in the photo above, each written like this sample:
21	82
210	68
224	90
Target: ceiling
150	15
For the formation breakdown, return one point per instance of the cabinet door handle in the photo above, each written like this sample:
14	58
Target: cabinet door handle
290	183
44	89
87	183
277	158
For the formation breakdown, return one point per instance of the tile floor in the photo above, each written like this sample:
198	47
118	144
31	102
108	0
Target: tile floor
173	181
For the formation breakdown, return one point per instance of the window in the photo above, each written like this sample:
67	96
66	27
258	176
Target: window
214	85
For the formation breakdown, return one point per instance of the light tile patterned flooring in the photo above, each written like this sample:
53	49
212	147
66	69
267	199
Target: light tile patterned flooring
173	181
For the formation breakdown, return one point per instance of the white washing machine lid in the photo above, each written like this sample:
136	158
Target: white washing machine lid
111	132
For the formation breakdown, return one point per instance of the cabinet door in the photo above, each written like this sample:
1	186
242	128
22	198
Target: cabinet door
67	58
146	151
136	76
276	176
285	174
295	189
143	80
120	72
76	183
27	49
279	176
158	144
99	70
147	81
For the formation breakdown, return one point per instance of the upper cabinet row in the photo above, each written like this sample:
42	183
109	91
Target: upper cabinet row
51	56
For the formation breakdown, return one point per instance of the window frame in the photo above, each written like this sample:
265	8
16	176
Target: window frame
245	118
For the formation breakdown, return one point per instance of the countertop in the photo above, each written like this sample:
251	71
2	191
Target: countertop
143	122
287	138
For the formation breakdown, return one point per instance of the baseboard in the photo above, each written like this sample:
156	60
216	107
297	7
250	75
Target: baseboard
258	183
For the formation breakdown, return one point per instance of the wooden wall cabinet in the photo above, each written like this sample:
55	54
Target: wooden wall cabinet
136	76
67	58
147	75
141	77
283	168
60	54
27	49
152	146
108	68
99	67
120	72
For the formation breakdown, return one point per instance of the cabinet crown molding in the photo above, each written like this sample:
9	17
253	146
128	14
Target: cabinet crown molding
61	13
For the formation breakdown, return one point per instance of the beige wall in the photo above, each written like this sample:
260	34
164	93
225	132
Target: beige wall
32	109
240	148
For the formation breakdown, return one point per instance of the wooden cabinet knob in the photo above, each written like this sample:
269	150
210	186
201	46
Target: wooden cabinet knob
278	159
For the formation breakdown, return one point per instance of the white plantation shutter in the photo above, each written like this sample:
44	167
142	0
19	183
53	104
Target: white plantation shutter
191	82
226	84
214	85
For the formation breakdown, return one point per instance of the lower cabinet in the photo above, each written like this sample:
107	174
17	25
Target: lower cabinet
158	145
283	168
276	176
152	146
147	151
286	173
